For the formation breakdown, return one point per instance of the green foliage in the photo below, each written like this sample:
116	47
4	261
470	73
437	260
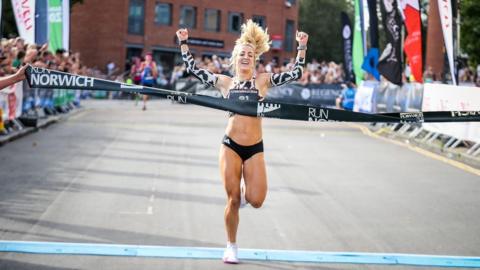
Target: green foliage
73	2
470	29
321	20
9	26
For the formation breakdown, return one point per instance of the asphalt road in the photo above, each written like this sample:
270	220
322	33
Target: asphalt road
115	174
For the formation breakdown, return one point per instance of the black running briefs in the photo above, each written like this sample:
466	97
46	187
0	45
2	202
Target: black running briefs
245	152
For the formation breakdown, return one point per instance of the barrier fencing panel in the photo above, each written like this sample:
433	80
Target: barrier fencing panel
11	101
442	97
394	98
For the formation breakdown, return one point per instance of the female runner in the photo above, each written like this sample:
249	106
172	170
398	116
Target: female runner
241	152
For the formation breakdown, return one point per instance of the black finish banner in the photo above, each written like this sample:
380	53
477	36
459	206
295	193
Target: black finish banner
347	47
44	78
390	65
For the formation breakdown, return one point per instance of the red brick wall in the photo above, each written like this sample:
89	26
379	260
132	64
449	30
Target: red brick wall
98	31
99	28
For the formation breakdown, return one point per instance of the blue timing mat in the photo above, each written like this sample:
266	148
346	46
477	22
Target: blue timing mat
244	254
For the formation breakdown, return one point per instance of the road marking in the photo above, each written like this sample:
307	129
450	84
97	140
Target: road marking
152	198
150	210
243	254
419	150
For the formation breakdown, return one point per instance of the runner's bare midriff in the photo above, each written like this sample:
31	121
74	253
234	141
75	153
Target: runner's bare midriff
244	130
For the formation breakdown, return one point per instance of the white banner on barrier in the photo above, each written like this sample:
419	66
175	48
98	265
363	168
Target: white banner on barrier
442	97
364	97
446	15
24	11
11	101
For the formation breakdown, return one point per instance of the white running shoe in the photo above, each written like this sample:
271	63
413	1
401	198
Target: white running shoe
243	189
230	254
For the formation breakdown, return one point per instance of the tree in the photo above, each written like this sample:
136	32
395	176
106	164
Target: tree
470	29
321	20
9	26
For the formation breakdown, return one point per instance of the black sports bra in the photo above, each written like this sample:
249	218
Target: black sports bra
244	91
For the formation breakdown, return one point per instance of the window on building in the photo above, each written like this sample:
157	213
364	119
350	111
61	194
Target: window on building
163	14
235	21
132	52
212	20
136	17
261	20
188	17
289	35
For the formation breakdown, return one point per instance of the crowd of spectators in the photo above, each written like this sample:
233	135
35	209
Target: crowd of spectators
469	75
15	52
466	76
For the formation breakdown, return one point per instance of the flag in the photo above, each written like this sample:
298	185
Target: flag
370	62
445	9
66	24
55	25
41	21
357	45
24	11
347	47
413	42
390	64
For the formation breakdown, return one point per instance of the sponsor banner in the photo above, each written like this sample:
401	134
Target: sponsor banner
66	25
347	47
413	42
370	62
365	97
267	109
11	101
41	21
357	54
373	20
264	108
445	9
48	77
206	42
55	25
390	64
413	117
24	11
315	94
441	97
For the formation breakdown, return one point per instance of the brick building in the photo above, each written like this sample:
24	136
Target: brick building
116	30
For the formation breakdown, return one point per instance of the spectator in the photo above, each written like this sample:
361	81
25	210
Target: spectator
135	72
347	99
111	68
428	75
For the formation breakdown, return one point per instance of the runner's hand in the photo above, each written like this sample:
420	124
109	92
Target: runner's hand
182	34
